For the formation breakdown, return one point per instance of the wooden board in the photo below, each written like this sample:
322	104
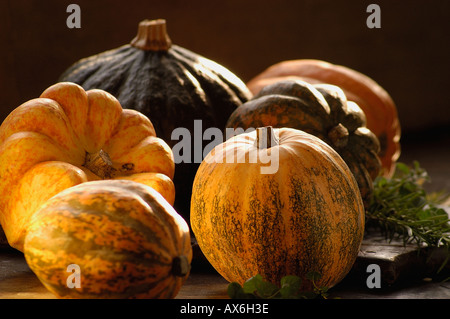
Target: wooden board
399	266
399	263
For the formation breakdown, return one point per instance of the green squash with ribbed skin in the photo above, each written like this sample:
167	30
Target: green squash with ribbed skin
126	239
323	111
173	85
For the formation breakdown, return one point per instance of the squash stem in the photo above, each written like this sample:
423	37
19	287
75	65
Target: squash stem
338	136
266	138
180	266
152	36
100	164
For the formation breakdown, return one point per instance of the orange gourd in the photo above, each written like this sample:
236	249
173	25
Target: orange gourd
69	136
123	237
304	213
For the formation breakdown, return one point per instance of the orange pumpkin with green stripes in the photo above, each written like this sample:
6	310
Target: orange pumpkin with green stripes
126	239
287	208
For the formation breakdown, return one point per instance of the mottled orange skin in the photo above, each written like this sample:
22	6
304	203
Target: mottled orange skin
45	141
123	235
377	104
308	216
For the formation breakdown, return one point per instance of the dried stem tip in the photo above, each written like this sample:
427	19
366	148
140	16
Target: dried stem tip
266	138
152	36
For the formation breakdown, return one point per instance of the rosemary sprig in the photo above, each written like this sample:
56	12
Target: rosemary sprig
401	207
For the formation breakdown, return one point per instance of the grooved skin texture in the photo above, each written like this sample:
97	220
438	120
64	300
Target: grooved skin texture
45	142
308	216
375	101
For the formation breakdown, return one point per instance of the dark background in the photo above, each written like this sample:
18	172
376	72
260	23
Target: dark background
408	56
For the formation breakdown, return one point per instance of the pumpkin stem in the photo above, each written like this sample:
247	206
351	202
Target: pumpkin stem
338	136
266	138
100	164
152	36
180	266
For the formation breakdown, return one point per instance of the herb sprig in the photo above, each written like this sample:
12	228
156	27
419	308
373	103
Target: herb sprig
401	207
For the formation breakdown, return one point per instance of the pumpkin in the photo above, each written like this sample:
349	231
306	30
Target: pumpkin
277	202
69	136
171	85
376	103
321	110
125	238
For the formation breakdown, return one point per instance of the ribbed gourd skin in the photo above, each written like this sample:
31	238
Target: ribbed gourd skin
173	88
374	100
307	216
126	239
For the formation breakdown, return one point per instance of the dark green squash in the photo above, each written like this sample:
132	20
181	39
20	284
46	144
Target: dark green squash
169	83
321	110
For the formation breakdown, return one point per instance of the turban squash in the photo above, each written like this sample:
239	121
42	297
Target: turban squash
171	85
305	214
321	110
126	239
69	136
376	103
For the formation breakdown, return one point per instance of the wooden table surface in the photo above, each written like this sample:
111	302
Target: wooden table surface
403	276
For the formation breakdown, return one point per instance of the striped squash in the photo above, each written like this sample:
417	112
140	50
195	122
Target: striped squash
126	239
305	214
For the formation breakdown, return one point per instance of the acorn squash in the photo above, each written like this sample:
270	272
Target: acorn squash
374	100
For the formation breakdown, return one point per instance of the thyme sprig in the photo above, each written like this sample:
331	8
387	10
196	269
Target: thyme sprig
401	207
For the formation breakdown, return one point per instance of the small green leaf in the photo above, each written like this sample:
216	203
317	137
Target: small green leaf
401	168
235	291
290	287
266	289
251	285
